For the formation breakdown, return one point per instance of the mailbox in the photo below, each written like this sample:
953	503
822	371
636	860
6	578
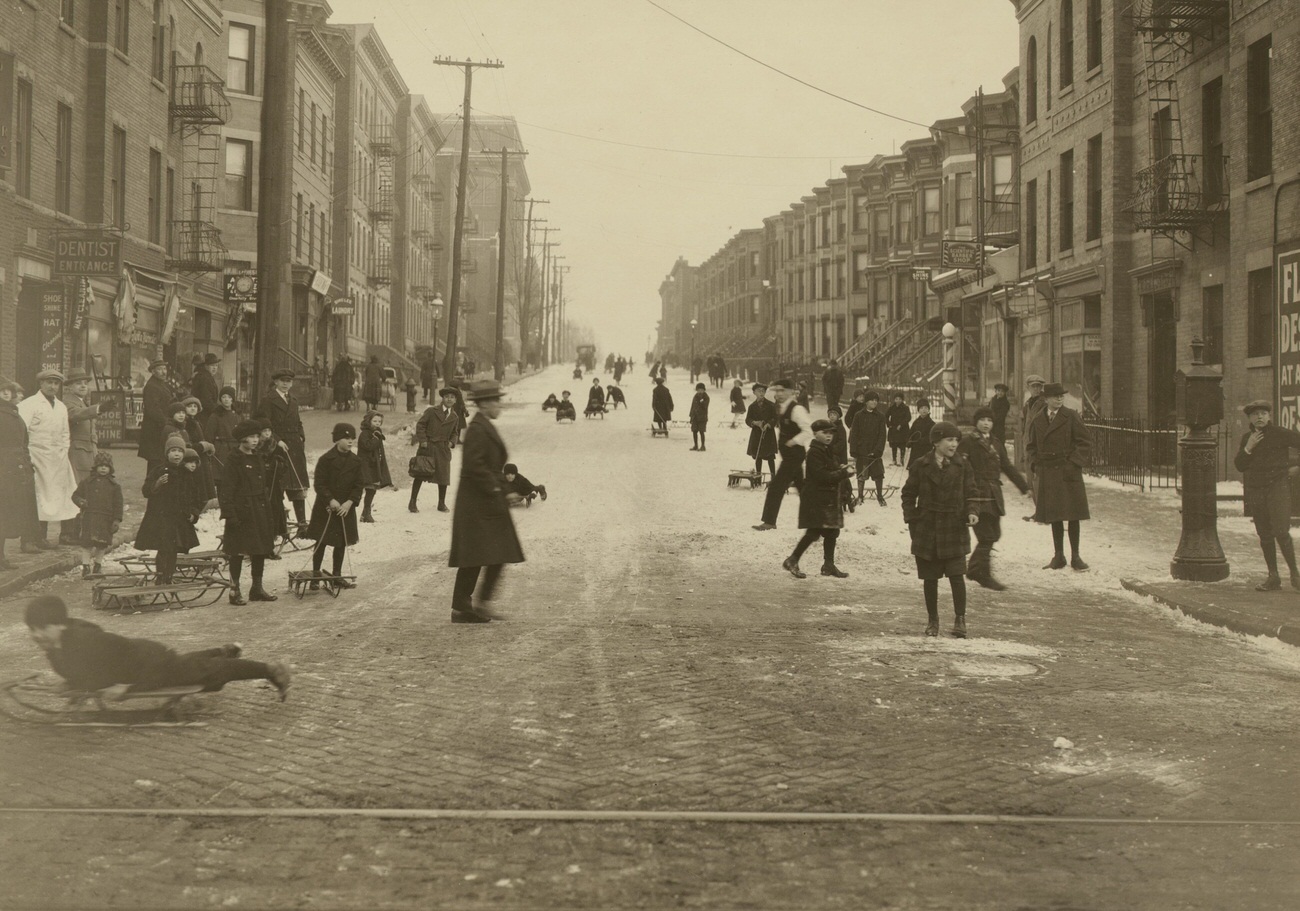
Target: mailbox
1199	392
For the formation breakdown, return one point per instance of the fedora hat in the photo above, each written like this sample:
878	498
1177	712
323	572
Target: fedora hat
1053	389
78	376
484	390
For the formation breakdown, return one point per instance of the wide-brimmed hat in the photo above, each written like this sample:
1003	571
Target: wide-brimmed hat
78	376
484	391
209	359
246	429
944	430
1053	389
1034	378
1257	405
49	374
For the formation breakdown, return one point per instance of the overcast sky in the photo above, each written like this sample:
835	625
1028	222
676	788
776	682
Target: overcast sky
623	71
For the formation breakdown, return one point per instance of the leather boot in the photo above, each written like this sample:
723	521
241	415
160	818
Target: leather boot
830	569
257	593
411	507
959	627
366	516
237	597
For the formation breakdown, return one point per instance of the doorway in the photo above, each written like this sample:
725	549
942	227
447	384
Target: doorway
1162	335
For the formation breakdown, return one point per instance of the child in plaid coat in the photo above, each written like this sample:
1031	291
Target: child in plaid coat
939	506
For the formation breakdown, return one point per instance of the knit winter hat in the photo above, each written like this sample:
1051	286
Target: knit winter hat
191	400
943	430
344	431
228	390
175	441
246	429
175	407
510	468
103	458
981	413
190	455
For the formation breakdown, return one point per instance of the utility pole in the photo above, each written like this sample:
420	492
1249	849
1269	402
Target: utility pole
274	265
543	338
553	288
498	360
526	316
564	326
453	305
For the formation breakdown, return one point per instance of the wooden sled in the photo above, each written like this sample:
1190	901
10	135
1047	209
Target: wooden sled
601	412
294	541
42	702
112	596
300	582
755	478
192	567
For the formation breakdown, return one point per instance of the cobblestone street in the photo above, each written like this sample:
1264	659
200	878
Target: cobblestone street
658	659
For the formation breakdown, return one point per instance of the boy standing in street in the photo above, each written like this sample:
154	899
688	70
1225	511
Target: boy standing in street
699	415
1263	460
988	459
867	439
821	514
250	506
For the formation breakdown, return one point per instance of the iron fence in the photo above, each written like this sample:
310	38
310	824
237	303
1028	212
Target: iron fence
1130	451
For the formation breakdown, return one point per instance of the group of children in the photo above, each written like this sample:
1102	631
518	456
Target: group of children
600	400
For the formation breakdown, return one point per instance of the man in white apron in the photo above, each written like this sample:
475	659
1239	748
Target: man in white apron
48	440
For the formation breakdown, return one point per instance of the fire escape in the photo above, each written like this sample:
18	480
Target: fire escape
382	204
198	110
1178	196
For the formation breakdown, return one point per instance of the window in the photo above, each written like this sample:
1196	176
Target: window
311	234
324	140
880	230
239	60
63	160
1212	176
841	276
171	209
1093	228
297	233
302	119
860	212
158	43
1259	109
1003	178
1067	43
753	264
904	225
1047	66
311	153
23	140
1031	223
122	23
117	179
155	196
965	208
67	11
239	169
1094	34
825	276
931	214
1031	81
826	229
1092	311
1066	192
1259	313
861	260
1212	323
880	295
841	223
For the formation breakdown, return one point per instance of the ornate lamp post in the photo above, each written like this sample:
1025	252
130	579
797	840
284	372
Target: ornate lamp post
1199	557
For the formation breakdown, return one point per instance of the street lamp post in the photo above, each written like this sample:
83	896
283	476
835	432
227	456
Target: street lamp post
694	323
435	306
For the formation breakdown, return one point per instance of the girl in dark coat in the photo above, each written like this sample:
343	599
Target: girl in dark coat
482	532
898	420
661	404
840	453
918	436
166	527
939	506
737	402
342	380
699	417
18	515
374	463
200	444
338	487
100	499
821	513
760	417
254	516
1056	447
219	430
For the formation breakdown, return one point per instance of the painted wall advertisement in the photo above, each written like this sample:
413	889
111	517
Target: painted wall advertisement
1288	337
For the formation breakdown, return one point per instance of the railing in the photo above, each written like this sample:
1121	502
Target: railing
1129	451
200	97
1179	192
197	247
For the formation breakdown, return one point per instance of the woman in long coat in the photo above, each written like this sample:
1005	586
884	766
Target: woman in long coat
482	532
372	387
1057	447
17	477
338	488
898	421
342	381
661	404
760	417
219	429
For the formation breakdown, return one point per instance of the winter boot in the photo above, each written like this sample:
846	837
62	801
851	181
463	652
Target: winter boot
411	507
237	597
830	569
791	566
257	593
1271	584
366	516
959	627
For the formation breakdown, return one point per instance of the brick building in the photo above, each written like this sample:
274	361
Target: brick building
679	304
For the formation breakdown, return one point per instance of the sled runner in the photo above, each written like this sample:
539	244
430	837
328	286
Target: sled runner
118	596
40	701
755	478
300	582
191	567
656	431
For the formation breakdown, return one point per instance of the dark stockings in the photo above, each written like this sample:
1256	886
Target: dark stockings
931	586
369	499
1270	545
462	597
771	467
166	566
300	511
1058	537
318	557
415	491
828	535
237	567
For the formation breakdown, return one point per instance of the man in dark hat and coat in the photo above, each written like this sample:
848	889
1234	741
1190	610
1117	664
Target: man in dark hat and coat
1263	458
372	386
342	380
661	404
436	434
988	459
833	383
279	409
157	396
867	437
482	532
1000	405
203	385
1057	446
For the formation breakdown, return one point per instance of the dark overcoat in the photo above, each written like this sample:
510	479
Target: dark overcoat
342	381
737	400
833	383
194	430
253	518
372	387
219	429
819	498
153	417
166	524
936	504
482	532
699	413
1000	405
867	434
762	440
1057	450
565	409
203	386
988	459
899	422
18	516
661	403
100	499
282	414
275	468
338	477
852	410
918	439
595	400
435	434
1266	491
374	462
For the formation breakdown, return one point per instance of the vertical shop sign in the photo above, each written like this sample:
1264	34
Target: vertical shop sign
52	320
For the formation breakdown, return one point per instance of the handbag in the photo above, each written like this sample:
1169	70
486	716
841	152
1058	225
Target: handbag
423	467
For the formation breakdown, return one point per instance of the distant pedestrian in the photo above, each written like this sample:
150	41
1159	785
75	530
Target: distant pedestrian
410	395
436	435
100	499
821	510
428	377
697	368
898	422
372	384
1000	405
988	459
833	383
760	417
699	416
343	381
918	435
374	462
661	405
737	401
338	485
794	434
1263	458
203	385
939	506
482	532
1057	447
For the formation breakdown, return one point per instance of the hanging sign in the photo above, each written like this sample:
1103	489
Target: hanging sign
959	254
92	254
52	319
343	306
241	288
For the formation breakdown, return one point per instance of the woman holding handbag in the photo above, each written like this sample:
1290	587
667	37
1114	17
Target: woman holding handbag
435	433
